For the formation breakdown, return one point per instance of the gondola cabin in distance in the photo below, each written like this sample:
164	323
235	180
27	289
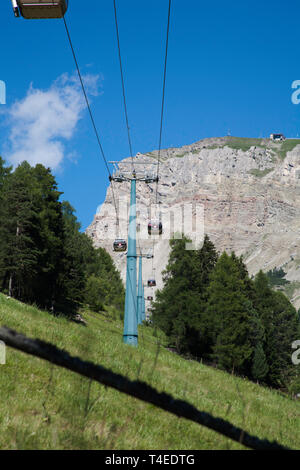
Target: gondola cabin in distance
40	9
120	245
154	227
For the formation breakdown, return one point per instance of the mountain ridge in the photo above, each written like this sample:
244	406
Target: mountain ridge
248	188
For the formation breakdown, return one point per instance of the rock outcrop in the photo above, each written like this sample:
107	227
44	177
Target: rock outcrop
249	190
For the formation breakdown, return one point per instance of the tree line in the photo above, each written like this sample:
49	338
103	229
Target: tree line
210	308
44	258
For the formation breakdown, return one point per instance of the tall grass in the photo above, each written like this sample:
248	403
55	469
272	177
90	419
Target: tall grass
46	407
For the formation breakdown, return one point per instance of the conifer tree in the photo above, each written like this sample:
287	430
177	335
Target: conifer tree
179	309
18	230
177	304
229	316
260	366
78	251
104	278
5	171
205	260
279	319
51	236
276	277
206	257
44	258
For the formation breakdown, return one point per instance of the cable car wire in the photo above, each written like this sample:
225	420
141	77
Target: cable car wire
123	82
125	102
162	112
128	130
163	96
124	99
90	113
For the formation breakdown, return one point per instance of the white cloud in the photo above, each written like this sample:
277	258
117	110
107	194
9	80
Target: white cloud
44	119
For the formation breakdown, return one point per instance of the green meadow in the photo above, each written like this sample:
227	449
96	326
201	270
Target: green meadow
46	407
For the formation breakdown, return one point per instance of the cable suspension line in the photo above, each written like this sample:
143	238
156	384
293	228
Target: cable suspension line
123	83
90	113
162	111
163	95
126	116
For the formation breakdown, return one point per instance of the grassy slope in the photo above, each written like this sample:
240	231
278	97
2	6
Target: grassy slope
280	148
46	407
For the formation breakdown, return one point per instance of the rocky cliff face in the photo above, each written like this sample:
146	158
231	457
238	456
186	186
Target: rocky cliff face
249	190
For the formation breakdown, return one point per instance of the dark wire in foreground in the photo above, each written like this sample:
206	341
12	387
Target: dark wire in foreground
136	389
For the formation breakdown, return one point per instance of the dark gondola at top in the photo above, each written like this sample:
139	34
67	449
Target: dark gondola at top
40	9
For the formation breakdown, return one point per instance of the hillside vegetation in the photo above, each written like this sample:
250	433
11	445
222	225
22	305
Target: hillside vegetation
44	257
279	150
46	407
209	308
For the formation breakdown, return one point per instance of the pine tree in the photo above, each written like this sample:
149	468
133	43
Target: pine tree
18	230
179	309
280	322
109	283
285	332
244	276
51	237
177	304
206	258
276	277
44	258
5	171
260	366
229	314
77	253
96	292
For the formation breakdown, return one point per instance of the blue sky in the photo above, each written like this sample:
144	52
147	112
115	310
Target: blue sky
231	66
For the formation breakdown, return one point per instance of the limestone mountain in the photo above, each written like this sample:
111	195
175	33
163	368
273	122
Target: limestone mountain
248	190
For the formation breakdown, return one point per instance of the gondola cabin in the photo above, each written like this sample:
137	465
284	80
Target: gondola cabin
154	227
120	245
152	283
40	9
149	297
